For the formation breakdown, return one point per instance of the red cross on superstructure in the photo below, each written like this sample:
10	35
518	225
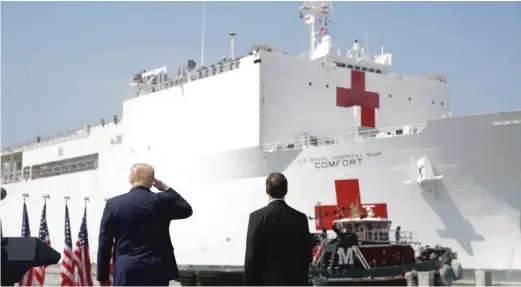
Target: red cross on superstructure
347	193
358	96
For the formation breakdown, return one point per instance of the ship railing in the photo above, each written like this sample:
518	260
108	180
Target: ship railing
310	142
385	236
12	177
220	68
405	237
432	78
48	170
391	236
48	140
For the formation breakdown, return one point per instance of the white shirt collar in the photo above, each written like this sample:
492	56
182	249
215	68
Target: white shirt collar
274	199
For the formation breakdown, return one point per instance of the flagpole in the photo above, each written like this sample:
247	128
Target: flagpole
202	33
312	36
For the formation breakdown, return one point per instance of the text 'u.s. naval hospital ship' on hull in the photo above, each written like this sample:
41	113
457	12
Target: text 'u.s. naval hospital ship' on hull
340	127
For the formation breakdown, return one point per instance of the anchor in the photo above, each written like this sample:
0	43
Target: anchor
425	177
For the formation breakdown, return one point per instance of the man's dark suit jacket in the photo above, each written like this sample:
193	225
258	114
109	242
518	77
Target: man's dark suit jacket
139	223
278	247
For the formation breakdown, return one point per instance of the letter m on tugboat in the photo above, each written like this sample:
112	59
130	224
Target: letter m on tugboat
362	246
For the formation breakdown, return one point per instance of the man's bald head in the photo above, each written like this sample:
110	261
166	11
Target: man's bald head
276	185
142	174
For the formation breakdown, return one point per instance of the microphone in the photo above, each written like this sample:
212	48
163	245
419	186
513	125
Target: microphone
4	193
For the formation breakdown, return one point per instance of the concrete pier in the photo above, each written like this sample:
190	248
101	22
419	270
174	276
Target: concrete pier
474	277
483	277
411	278
426	278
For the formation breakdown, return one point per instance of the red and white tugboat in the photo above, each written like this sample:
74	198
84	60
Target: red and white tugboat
366	250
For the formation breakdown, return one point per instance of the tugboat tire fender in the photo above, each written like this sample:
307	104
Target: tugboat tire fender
457	270
446	275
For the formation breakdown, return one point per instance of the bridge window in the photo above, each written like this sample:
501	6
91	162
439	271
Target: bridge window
117	140
364	69
350	66
66	166
378	71
27	172
371	70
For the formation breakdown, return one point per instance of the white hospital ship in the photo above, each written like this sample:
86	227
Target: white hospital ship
338	124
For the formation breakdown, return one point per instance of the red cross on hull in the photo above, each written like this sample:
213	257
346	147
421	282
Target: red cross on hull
358	96
347	193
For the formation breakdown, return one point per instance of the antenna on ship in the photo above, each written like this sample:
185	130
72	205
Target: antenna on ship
202	33
233	36
312	8
367	55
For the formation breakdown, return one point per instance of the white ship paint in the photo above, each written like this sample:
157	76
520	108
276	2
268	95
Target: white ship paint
216	137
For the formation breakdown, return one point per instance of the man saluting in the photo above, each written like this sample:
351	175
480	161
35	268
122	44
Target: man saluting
278	243
138	223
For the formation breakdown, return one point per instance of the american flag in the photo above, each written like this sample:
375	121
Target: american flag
39	272
81	255
111	266
27	279
67	268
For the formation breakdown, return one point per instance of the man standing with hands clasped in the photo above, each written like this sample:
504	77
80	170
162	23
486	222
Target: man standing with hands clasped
138	224
278	243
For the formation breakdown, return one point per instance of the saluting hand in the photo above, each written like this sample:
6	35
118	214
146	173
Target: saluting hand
161	186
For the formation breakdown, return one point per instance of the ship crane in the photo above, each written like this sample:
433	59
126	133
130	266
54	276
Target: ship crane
149	81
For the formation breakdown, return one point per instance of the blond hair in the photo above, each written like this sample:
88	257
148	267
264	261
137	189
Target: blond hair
142	174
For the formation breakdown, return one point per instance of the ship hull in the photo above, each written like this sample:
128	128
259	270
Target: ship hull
474	208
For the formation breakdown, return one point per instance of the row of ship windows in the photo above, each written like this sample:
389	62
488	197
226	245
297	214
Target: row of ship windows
390	96
13	171
352	67
49	169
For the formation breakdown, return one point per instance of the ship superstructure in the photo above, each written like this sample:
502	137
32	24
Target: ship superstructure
340	126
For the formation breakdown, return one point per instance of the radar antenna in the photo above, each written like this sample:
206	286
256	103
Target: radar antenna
190	65
312	8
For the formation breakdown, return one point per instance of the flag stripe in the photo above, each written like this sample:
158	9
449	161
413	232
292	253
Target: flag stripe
27	279
43	234
67	266
82	256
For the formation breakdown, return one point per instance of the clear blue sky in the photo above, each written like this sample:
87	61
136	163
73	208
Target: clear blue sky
65	65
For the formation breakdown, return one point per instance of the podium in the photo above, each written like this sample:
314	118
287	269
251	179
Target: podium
19	254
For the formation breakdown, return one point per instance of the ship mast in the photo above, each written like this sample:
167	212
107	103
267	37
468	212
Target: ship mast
311	9
233	36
